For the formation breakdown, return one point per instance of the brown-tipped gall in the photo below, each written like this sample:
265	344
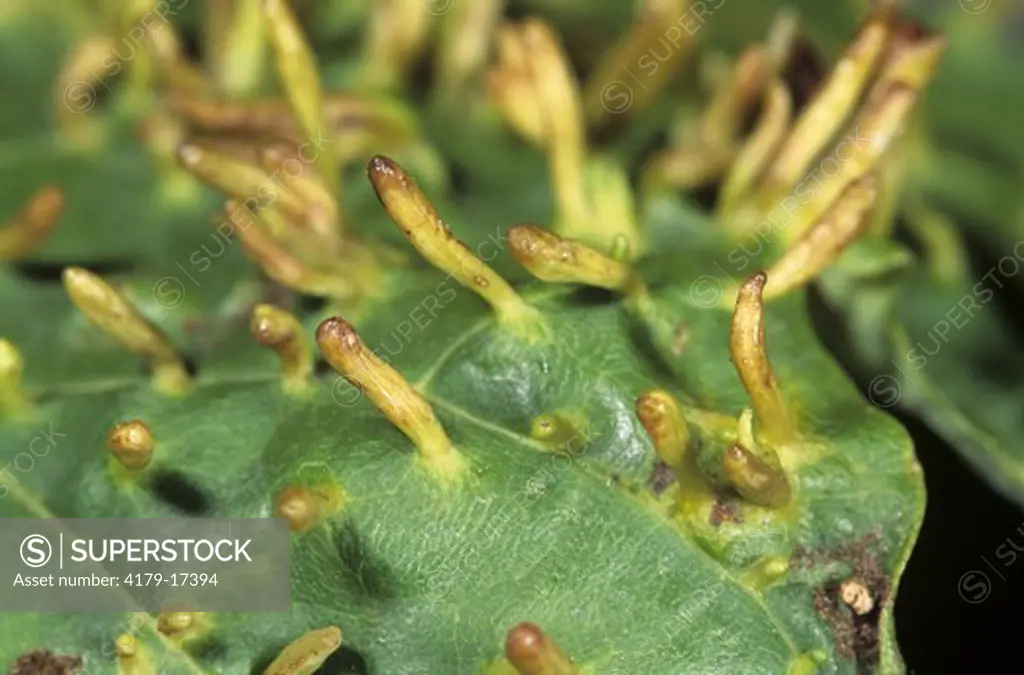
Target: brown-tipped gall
307	653
276	261
834	103
911	59
531	652
343	349
279	330
320	213
662	419
750	358
358	124
824	243
239	179
551	258
114	315
28	229
261	117
417	219
131	443
878	125
754	479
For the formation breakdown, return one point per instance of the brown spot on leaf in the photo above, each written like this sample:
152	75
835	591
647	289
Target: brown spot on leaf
661	478
839	623
856	635
726	509
45	662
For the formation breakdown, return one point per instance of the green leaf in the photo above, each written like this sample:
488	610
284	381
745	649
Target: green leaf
628	570
425	580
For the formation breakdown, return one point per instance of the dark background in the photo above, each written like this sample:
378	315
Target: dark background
938	631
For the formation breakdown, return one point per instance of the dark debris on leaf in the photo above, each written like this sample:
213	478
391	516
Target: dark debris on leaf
661	478
856	636
726	509
45	662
